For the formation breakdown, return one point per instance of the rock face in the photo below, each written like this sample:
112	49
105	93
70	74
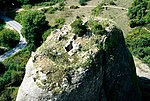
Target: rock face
89	68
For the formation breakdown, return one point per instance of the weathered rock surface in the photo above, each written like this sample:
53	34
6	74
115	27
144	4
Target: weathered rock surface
143	73
90	68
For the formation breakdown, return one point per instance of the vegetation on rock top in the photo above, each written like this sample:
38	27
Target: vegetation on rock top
56	61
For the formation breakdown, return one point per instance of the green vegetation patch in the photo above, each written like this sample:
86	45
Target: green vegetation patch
139	14
78	27
96	11
34	24
138	42
13	72
8	39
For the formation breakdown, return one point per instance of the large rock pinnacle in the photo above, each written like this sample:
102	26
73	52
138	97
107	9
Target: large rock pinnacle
89	68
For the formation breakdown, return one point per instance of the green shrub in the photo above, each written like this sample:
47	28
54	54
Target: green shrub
60	21
96	27
112	3
52	10
62	4
47	33
96	11
78	27
9	38
26	7
74	7
9	94
16	77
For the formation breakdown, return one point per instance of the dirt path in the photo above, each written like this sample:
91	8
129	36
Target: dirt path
116	7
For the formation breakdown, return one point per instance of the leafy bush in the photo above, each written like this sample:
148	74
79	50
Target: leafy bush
96	11
52	10
62	4
74	7
60	21
112	3
47	33
96	27
78	27
8	38
9	94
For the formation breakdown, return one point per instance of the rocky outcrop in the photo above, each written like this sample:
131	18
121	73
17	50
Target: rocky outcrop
143	73
89	68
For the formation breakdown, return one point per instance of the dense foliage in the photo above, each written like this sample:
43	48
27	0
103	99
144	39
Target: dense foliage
34	24
138	41
12	69
138	13
96	27
8	38
78	27
12	75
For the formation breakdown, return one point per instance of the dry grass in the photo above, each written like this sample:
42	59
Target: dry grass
70	14
118	15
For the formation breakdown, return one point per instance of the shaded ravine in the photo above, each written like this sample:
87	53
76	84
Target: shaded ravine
16	26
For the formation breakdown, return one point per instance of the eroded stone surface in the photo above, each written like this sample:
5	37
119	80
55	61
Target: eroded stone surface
102	69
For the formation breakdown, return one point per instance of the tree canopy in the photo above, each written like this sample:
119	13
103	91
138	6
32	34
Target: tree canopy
138	42
138	13
34	24
8	38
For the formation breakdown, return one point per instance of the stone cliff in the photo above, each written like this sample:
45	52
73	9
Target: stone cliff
89	68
